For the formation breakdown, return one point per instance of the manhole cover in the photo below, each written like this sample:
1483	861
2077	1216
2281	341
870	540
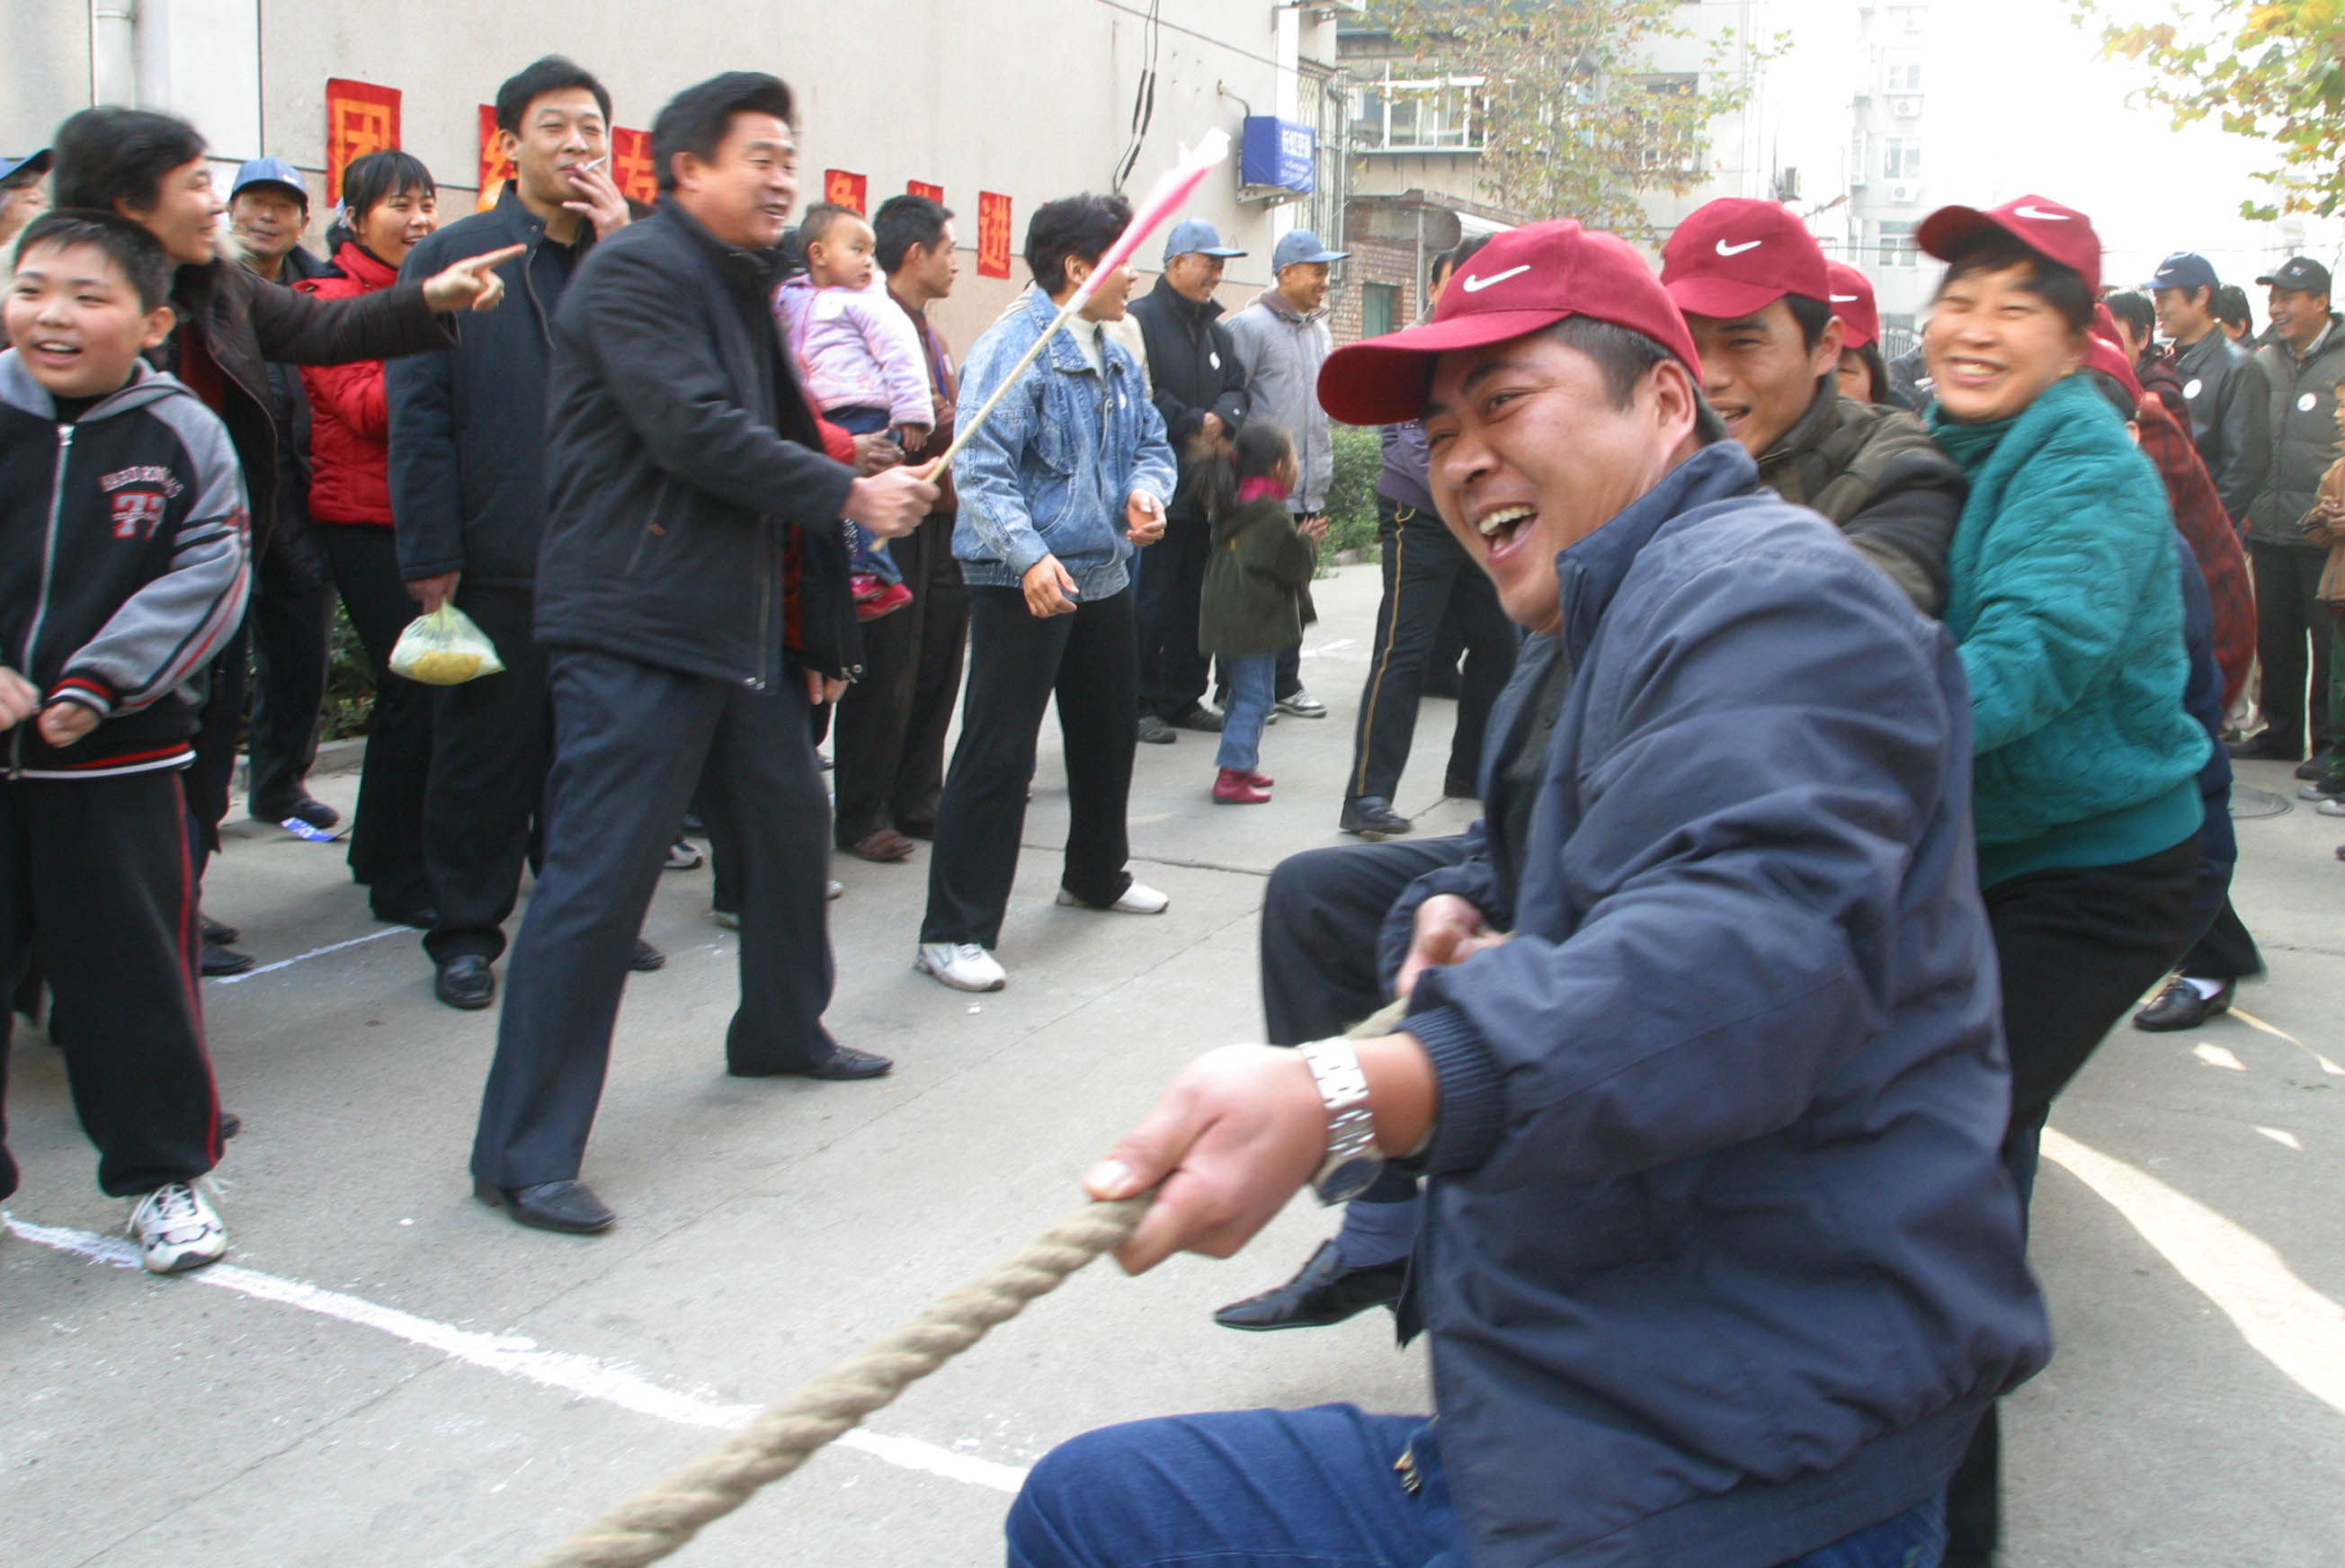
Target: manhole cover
2246	803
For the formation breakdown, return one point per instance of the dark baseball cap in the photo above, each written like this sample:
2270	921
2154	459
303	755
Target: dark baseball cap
1524	279
269	171
2184	269
20	170
2301	275
1736	255
2052	231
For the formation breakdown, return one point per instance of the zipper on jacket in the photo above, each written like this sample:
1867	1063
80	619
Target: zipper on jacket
41	602
769	567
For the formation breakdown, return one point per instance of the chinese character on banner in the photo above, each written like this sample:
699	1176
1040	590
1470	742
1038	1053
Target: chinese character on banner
495	167
844	189
935	193
361	119
992	235
632	169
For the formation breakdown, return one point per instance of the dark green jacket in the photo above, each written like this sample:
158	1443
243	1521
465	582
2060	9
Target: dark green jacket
1874	472
1257	593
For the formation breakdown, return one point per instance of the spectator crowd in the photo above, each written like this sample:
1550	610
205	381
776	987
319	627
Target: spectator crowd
1852	739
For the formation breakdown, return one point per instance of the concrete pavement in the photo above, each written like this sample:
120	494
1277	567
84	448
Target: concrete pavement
387	1372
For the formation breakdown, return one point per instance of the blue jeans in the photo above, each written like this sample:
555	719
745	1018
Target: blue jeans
1247	709
1317	1488
864	551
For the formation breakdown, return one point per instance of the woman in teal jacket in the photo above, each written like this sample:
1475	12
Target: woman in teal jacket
2062	596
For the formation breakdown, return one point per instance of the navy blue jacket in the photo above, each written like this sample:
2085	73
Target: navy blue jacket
1721	1264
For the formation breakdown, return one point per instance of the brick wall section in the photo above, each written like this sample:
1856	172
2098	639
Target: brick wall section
1374	261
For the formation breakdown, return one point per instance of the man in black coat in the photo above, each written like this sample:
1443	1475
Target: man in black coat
692	593
1200	388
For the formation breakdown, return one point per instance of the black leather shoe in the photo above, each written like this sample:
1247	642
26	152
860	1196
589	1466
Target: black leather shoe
566	1206
1373	817
230	1124
2313	767
843	1065
219	959
1461	786
466	981
1325	1292
1200	718
2264	748
217	933
646	958
2180	1006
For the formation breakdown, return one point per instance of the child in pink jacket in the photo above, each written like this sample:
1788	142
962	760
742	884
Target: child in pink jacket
860	361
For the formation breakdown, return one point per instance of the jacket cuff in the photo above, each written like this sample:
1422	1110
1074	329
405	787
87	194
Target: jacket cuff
1473	1114
87	690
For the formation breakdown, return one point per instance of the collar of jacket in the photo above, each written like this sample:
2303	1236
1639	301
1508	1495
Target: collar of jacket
757	270
1198	312
1272	300
2312	349
1064	353
363	267
18	390
1589	572
2203	357
1809	427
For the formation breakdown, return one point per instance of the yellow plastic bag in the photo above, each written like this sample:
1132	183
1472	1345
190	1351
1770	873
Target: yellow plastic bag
444	649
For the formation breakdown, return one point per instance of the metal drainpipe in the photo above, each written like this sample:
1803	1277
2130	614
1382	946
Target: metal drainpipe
114	52
153	34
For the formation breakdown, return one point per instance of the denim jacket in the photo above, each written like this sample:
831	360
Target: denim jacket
1048	474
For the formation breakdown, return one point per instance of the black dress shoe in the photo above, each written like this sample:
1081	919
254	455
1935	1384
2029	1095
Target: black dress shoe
219	959
1200	718
2264	748
2313	767
843	1064
2180	1006
1325	1292
1461	786
230	1124
646	958
1372	817
217	933
565	1205
466	981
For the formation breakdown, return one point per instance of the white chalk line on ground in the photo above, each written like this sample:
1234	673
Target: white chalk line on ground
515	1356
2283	1320
312	953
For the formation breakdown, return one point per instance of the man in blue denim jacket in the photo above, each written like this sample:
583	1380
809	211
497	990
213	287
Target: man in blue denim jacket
1702	1050
1070	476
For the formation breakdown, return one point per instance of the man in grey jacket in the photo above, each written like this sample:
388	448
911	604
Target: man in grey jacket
1282	340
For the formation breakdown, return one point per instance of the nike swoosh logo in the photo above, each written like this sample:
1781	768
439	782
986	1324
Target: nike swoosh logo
1726	250
1476	285
2038	214
1845	298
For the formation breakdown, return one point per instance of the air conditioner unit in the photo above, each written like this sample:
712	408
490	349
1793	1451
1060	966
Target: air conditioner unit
1902	195
1905	108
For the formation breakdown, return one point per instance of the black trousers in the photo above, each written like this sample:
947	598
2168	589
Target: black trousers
97	886
2292	635
2076	948
631	742
1016	662
1168	597
292	634
1427	576
1319	925
206	782
891	756
492	742
387	829
2225	950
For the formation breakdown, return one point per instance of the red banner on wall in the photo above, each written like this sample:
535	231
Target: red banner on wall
495	167
992	235
632	169
841	189
361	119
935	193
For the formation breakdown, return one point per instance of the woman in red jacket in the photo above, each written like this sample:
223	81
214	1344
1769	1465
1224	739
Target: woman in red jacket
389	203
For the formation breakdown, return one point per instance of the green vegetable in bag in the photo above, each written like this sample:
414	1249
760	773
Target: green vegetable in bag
444	649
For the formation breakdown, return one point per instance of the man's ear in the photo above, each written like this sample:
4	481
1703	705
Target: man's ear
160	322
1676	401
1829	343
509	145
687	167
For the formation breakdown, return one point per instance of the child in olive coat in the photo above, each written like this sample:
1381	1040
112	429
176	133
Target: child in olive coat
1257	594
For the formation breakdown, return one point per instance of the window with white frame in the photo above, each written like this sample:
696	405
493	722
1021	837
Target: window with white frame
1903	74
1894	246
1900	157
1430	115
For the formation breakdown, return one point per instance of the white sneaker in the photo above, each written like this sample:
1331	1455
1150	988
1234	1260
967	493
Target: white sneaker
728	918
963	965
2331	807
1138	899
176	1229
1303	705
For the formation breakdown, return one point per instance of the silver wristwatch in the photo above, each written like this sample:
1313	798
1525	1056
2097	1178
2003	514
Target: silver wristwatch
1352	1162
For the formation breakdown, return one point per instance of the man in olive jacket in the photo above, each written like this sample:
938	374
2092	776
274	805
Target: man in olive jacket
1753	286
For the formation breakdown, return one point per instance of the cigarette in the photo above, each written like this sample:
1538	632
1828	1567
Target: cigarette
597	163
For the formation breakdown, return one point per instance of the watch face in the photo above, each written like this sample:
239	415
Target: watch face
1348	1179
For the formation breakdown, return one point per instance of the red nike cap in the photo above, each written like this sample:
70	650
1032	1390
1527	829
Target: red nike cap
2105	352
1524	279
1734	257
1853	302
2052	230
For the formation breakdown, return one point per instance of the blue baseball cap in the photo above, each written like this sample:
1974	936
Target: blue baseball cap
1301	246
1195	236
2185	269
271	171
19	170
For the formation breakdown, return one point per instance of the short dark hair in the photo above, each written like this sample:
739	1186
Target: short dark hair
816	224
2133	312
378	177
2113	390
2231	306
905	221
1455	257
697	120
108	155
1071	229
137	254
1882	389
1812	315
1993	250
1627	356
550	74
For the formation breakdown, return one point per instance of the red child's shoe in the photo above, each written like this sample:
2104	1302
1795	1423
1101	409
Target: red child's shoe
883	600
1234	788
1260	780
